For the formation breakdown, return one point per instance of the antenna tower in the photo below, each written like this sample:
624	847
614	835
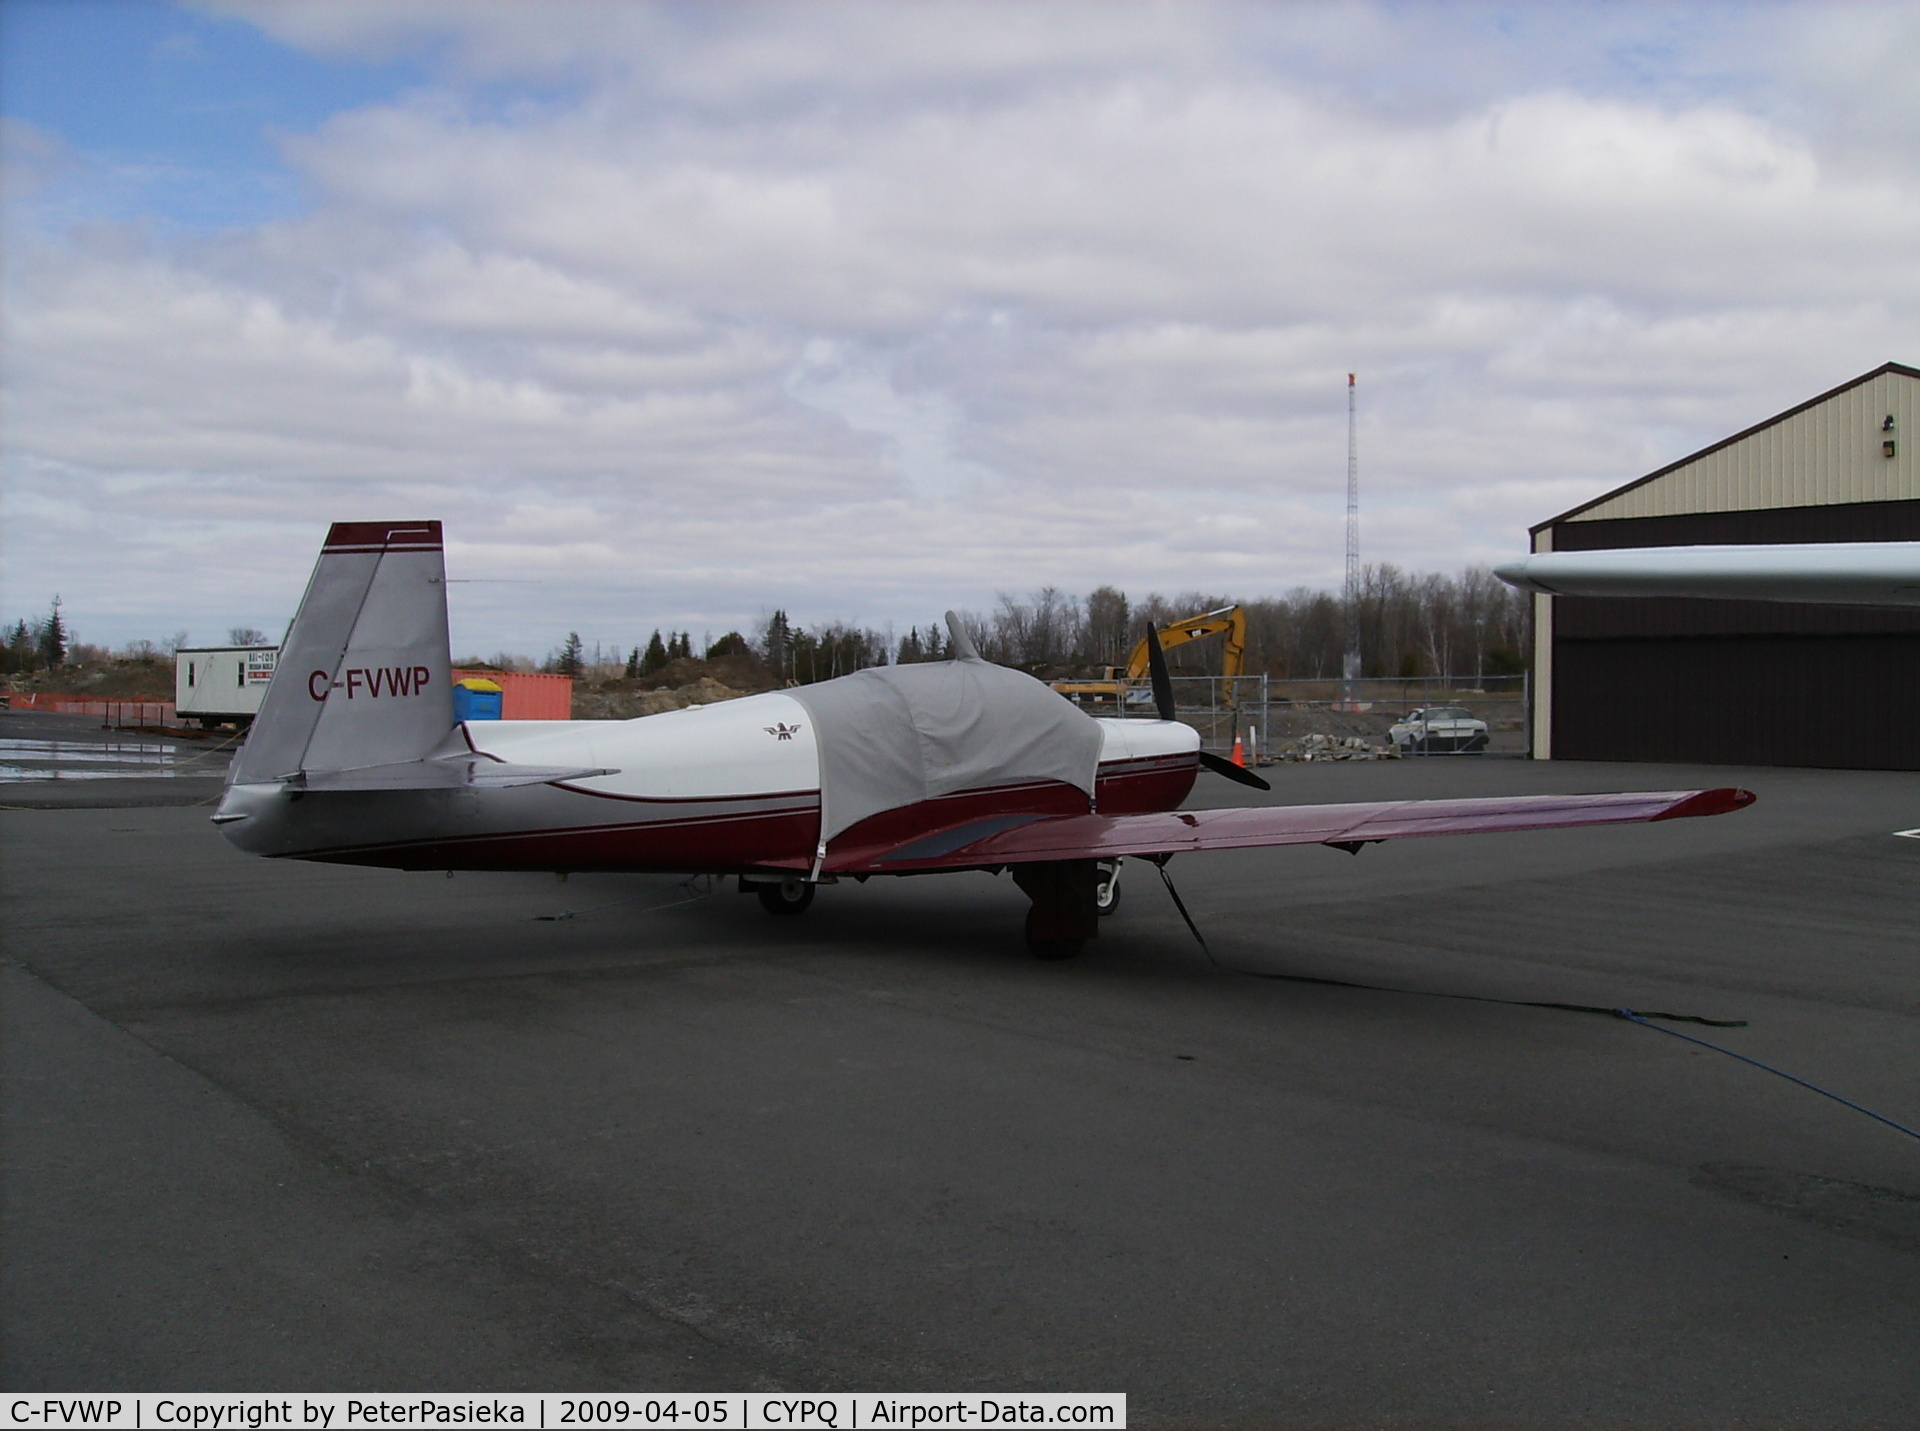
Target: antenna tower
1350	667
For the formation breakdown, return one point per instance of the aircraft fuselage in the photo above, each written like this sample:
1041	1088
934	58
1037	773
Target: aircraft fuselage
731	787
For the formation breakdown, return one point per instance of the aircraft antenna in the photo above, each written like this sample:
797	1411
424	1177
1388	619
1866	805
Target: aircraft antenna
1350	667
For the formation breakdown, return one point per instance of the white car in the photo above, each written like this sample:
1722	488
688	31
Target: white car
1439	730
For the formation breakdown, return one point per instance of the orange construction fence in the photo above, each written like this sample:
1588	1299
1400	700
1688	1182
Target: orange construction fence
114	710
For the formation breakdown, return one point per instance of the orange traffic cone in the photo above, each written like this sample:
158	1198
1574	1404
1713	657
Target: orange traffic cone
1239	751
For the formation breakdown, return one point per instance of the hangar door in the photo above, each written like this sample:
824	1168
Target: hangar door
1738	682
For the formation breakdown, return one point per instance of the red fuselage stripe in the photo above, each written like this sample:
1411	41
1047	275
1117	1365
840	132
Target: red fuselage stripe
762	837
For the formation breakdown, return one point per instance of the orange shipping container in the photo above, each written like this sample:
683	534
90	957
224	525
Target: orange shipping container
528	695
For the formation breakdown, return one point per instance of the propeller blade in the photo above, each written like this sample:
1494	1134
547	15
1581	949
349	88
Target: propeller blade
1163	702
1157	672
1231	771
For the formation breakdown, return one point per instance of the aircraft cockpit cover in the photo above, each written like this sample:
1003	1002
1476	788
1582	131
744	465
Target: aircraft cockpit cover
894	736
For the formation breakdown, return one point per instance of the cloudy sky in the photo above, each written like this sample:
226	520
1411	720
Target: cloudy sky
675	313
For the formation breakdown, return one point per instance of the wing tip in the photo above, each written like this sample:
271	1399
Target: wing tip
1722	801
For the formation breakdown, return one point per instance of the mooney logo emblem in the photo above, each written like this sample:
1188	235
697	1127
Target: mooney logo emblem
373	682
782	731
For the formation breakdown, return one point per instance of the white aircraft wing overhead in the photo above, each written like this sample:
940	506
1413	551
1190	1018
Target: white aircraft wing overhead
1825	573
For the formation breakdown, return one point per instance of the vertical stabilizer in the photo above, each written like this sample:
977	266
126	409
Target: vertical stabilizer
365	676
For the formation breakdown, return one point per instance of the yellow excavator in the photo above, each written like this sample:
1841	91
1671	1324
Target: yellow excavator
1118	686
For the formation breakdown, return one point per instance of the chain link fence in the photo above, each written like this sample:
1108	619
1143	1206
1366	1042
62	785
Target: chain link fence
1287	719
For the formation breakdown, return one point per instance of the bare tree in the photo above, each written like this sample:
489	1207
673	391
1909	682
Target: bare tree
1107	639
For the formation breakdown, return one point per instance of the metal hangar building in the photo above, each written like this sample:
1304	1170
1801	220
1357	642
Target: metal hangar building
1745	682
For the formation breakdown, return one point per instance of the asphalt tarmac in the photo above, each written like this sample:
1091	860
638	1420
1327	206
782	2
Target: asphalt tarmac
295	1127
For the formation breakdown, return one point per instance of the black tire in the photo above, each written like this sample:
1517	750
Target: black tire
1050	948
1106	894
790	896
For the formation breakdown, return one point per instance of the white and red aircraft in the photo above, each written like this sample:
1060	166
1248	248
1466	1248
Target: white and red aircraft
356	758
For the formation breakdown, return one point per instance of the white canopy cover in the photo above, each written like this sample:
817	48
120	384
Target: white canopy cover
896	735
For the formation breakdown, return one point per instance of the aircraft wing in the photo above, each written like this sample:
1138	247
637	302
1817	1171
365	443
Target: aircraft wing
1025	839
1828	573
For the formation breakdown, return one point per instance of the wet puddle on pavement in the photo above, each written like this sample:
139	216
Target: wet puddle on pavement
27	759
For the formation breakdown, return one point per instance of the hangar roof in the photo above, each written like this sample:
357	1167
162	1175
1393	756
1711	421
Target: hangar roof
1828	450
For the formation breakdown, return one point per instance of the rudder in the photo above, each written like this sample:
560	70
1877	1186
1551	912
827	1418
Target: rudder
365	675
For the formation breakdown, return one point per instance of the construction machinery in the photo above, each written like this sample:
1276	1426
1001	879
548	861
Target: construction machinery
1120	687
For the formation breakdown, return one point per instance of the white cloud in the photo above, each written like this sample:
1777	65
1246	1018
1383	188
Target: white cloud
883	309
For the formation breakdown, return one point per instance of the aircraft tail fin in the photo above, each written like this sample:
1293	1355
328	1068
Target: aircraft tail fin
365	677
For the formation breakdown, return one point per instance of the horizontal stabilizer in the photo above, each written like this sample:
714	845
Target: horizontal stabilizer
462	772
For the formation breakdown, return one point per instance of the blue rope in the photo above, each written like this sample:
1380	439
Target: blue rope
1631	1017
1628	1014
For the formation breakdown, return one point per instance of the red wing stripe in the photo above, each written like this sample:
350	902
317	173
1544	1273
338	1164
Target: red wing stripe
572	789
1107	836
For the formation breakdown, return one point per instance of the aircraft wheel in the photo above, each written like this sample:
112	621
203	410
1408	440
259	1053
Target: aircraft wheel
790	896
1050	948
1106	894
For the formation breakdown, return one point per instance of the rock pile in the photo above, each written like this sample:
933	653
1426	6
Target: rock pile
1335	747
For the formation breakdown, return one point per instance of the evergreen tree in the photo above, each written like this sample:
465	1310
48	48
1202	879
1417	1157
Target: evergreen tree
656	657
53	636
633	664
19	652
777	647
569	663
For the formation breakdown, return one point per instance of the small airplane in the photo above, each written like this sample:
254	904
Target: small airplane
356	758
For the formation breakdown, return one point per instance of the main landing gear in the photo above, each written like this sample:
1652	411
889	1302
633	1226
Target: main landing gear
1069	896
791	895
1069	899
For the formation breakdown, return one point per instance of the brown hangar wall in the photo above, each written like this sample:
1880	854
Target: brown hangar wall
1737	682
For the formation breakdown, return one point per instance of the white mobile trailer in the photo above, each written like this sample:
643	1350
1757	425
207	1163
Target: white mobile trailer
217	684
